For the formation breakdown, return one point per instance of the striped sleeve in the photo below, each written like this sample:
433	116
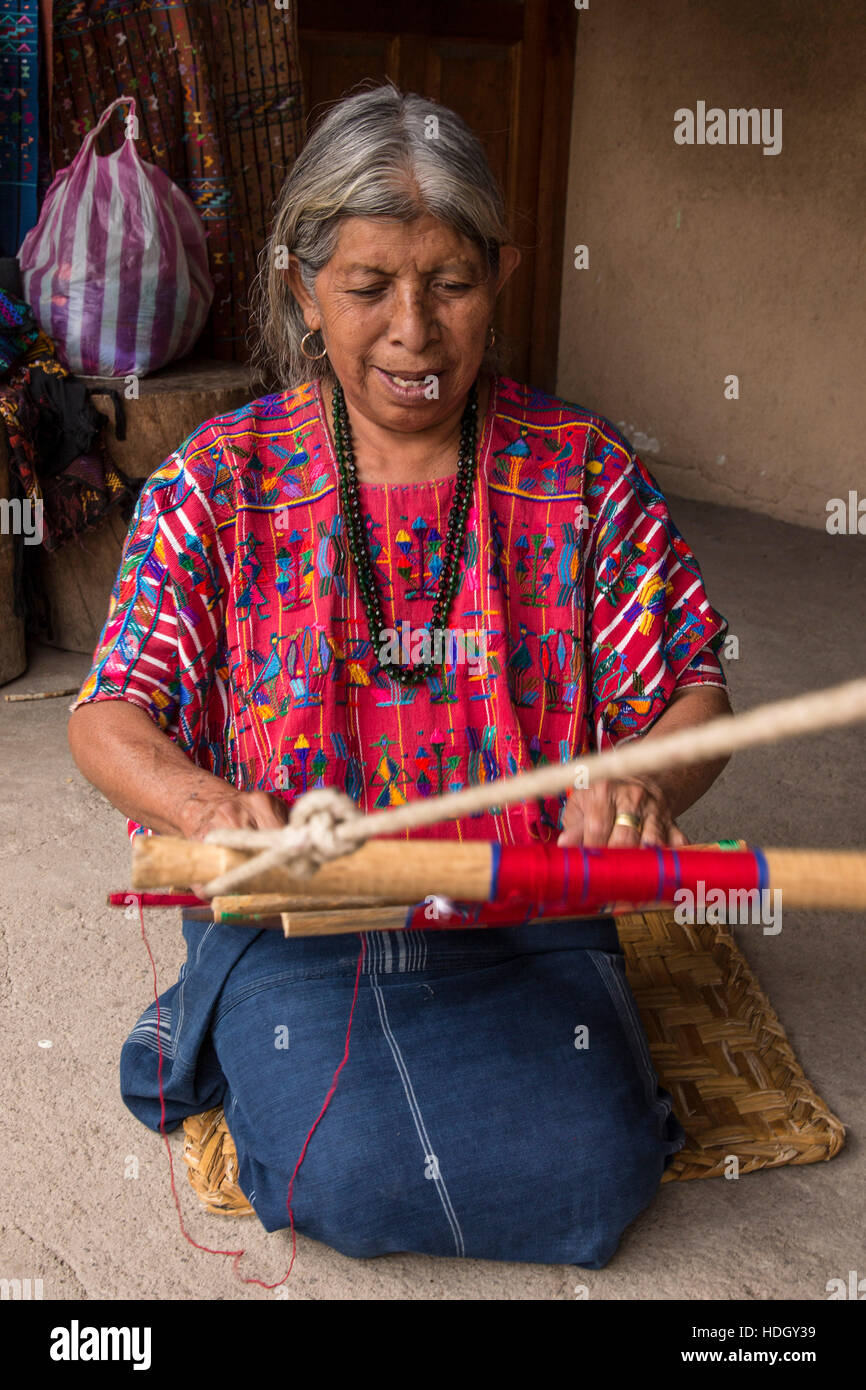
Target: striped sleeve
650	626
705	668
158	644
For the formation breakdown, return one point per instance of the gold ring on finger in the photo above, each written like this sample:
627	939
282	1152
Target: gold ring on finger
626	818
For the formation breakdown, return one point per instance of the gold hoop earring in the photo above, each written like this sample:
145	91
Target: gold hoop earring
491	336
312	356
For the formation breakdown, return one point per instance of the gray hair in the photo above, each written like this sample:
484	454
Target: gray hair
379	153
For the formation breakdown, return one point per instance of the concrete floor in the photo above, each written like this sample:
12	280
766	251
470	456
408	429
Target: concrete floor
75	973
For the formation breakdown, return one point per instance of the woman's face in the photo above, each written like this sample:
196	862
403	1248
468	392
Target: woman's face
404	310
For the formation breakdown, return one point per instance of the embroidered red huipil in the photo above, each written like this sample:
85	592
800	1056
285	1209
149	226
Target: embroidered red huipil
236	620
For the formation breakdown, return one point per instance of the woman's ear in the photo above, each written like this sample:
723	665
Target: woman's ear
509	260
302	295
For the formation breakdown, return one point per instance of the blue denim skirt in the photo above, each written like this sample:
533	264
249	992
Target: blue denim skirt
499	1101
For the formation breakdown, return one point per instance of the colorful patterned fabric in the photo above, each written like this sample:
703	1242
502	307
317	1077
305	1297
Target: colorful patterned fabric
18	330
220	110
236	621
19	120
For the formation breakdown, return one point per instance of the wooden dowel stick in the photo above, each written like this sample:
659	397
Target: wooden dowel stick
272	904
342	923
819	878
408	873
393	873
41	694
382	919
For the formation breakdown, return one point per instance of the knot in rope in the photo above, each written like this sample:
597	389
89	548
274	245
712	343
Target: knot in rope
319	829
323	824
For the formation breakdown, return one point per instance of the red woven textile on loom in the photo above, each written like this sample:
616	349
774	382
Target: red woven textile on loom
543	881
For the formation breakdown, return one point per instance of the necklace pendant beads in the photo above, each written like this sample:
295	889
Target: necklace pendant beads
415	673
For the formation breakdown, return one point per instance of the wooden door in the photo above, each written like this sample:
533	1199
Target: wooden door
506	66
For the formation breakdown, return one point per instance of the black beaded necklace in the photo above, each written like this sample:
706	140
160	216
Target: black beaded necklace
359	547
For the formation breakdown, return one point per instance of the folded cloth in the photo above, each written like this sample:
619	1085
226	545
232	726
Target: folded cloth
56	453
67	422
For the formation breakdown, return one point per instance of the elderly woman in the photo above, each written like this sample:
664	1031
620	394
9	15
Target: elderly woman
499	1100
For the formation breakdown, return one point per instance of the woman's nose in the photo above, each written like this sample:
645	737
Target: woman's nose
412	320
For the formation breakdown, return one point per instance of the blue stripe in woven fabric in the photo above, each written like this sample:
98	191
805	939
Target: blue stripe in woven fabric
495	858
763	870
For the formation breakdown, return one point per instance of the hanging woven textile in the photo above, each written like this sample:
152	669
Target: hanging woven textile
220	110
19	120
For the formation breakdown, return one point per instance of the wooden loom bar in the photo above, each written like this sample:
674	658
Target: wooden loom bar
819	877
342	923
233	907
382	869
383	919
396	873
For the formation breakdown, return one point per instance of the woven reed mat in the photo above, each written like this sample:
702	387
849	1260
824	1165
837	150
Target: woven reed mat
716	1044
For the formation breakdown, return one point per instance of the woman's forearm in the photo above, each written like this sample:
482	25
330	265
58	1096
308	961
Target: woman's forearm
683	786
138	768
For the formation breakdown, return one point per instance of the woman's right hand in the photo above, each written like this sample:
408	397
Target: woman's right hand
227	807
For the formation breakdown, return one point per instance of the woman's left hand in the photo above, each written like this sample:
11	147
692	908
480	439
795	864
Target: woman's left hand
591	812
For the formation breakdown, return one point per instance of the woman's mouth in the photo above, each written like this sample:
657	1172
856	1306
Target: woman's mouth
410	386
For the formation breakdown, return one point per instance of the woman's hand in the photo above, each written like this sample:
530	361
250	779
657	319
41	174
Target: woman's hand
225	806
591	812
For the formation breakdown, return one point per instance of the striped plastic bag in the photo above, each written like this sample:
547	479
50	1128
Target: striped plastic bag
115	269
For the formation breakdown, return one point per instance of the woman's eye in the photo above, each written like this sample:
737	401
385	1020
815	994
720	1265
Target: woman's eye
453	285
368	292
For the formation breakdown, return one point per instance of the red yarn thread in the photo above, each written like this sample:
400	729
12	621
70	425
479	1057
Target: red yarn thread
156	900
237	1255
